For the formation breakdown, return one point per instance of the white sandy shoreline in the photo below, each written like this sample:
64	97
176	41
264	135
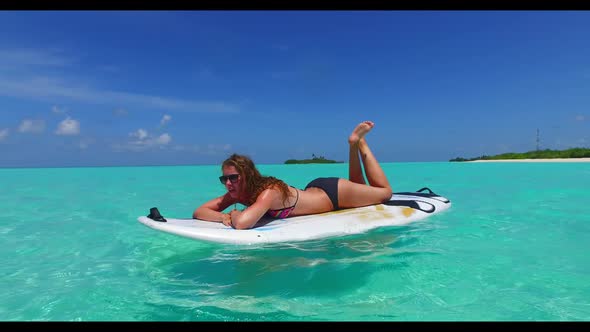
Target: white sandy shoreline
555	160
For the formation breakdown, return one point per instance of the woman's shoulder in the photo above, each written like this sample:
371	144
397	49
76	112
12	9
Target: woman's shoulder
270	192
274	185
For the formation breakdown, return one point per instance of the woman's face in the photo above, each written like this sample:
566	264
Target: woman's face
232	180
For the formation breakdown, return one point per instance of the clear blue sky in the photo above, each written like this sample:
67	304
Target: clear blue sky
83	88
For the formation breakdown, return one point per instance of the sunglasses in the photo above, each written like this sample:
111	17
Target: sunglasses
233	178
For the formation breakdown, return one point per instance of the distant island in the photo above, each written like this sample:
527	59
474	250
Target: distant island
313	160
537	154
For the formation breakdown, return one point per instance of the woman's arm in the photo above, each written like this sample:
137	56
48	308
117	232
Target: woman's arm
250	216
211	211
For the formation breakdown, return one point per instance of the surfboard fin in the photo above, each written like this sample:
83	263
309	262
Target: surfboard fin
155	215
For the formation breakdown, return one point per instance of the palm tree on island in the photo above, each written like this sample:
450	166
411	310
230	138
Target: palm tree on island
314	160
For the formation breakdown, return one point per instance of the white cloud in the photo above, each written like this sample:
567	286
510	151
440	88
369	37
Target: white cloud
219	147
165	119
140	134
3	134
31	126
216	149
43	87
120	112
57	110
580	118
84	143
163	139
144	141
22	76
68	126
32	57
210	149
190	148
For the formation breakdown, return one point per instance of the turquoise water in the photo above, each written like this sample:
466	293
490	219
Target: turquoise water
513	247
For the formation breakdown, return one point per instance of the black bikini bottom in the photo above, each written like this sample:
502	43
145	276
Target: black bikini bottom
329	186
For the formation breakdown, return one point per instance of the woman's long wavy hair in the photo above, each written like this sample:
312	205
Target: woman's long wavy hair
255	183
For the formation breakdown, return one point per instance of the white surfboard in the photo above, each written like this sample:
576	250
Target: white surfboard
401	209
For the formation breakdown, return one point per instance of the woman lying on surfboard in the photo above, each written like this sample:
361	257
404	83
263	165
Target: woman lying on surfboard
273	197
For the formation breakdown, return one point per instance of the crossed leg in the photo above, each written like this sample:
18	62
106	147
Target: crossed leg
355	192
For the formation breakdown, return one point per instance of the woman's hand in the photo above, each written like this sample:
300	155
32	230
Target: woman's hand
248	218
234	214
226	219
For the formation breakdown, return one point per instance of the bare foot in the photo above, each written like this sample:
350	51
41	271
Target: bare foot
360	131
